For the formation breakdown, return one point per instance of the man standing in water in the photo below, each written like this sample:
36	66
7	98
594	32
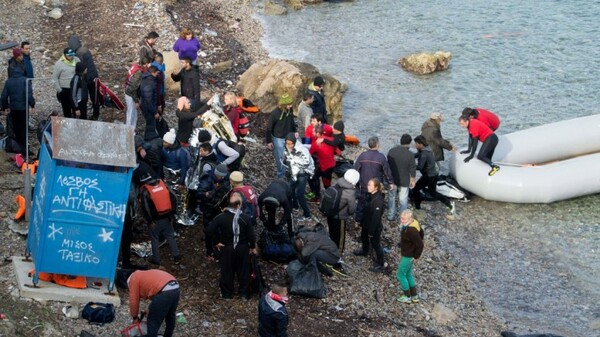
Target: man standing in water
480	132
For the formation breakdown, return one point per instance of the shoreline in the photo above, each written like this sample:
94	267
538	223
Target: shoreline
474	319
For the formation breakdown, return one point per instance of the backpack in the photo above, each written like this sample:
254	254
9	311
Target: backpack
244	124
239	148
99	313
248	207
161	197
330	201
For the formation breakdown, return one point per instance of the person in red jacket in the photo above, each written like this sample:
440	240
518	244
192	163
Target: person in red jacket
325	154
163	289
232	110
479	132
485	116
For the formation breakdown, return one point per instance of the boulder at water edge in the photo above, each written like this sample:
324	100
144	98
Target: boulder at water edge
426	63
171	60
264	82
274	9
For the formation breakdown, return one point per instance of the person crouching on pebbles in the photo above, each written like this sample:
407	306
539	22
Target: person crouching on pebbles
411	247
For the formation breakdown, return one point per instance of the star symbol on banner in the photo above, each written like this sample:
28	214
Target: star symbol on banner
106	235
54	231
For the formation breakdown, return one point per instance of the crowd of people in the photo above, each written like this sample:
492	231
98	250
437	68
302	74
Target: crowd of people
188	174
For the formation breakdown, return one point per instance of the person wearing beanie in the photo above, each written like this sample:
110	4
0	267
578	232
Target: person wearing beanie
175	157
337	223
281	122
64	70
431	130
79	91
339	138
403	167
301	168
250	198
318	105
225	153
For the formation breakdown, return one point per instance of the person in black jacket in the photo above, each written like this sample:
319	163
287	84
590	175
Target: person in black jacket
14	97
212	192
148	93
187	112
91	76
79	91
277	194
273	317
233	232
402	165
428	168
189	76
318	105
158	207
371	225
281	123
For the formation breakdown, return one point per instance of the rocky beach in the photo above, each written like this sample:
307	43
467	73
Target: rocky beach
362	304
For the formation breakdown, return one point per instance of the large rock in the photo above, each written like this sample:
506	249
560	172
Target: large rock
264	82
426	63
171	60
294	4
274	9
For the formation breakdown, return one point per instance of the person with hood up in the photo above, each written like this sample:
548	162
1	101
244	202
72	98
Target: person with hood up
337	223
187	45
429	176
91	76
14	97
301	167
189	76
64	70
79	91
372	226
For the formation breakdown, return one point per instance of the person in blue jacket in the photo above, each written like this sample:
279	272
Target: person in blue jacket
273	316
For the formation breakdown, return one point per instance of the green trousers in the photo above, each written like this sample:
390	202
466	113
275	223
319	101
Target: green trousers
404	275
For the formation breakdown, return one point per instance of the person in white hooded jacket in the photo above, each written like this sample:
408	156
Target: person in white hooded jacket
64	70
300	168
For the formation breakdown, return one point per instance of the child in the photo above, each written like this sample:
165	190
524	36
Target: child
272	314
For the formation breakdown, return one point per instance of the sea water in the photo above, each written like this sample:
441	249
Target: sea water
531	62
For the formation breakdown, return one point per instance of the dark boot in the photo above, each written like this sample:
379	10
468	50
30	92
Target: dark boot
414	295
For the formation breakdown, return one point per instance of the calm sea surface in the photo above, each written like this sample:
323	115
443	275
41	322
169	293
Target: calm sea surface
531	62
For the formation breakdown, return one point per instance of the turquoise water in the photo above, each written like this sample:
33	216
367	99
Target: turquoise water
531	62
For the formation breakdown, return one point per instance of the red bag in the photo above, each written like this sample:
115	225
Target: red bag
136	329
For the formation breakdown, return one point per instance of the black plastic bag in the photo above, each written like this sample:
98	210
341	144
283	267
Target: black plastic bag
257	282
276	246
305	280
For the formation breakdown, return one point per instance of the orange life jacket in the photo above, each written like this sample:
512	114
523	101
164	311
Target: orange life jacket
160	196
78	282
247	105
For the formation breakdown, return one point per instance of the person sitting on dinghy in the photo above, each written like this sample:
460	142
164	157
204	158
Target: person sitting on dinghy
480	132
